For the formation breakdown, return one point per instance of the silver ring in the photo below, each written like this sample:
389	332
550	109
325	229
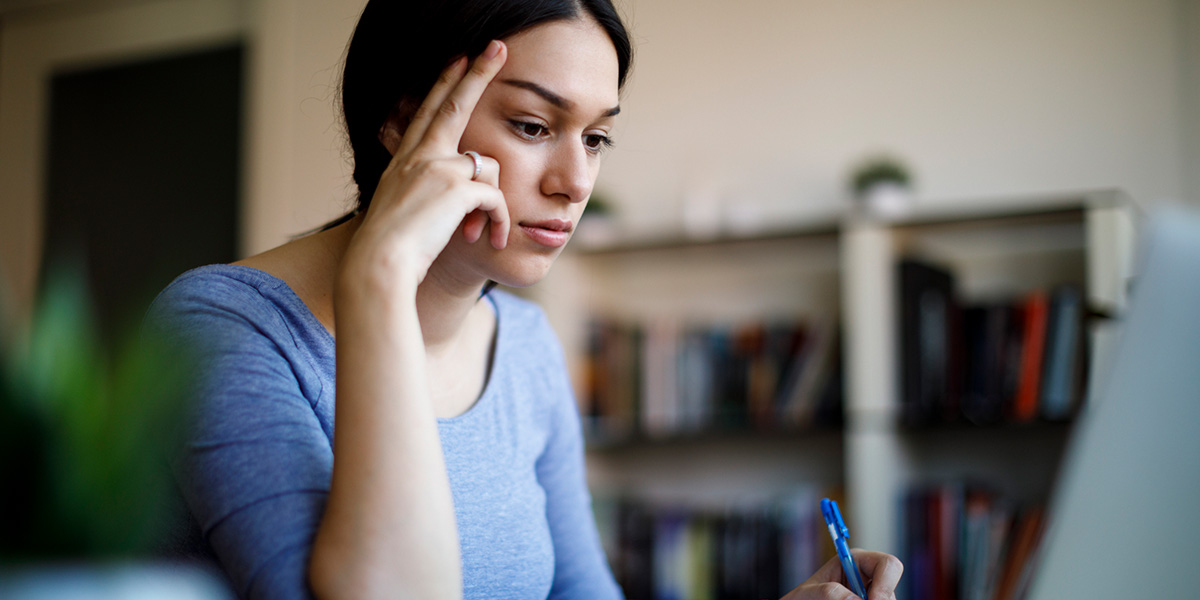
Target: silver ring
478	160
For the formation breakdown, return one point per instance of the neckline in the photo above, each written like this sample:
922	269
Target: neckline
495	367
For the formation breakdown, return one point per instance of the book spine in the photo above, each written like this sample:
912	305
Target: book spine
962	543
740	551
1064	349
665	378
1025	405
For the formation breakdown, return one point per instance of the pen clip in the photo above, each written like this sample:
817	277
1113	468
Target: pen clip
833	518
841	525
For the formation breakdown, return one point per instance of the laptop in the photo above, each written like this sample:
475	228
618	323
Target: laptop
1126	512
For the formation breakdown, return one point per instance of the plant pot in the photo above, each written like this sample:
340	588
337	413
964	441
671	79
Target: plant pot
887	200
111	581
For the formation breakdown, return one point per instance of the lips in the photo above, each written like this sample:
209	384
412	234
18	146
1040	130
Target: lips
552	233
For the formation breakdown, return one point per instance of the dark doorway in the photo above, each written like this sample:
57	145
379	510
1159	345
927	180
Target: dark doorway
143	175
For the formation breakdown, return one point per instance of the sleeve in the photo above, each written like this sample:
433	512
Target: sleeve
581	569
255	464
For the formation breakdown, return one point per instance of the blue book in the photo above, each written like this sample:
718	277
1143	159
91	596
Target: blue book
1061	379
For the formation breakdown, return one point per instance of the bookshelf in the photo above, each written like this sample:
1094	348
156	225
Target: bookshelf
841	270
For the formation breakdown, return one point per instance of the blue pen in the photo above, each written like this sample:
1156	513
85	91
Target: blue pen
840	534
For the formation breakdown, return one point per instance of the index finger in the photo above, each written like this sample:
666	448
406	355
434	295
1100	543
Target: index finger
884	571
447	126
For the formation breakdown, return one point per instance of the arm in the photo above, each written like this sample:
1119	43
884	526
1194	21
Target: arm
255	465
389	527
581	568
389	523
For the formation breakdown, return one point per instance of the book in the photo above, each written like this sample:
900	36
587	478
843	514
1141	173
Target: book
927	302
976	527
1063	371
763	549
666	378
962	542
800	525
810	373
633	566
660	378
1025	403
1025	537
918	580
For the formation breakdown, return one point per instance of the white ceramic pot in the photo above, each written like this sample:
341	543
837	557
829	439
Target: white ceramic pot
888	200
123	581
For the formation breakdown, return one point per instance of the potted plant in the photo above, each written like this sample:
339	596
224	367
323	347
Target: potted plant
881	186
598	224
84	431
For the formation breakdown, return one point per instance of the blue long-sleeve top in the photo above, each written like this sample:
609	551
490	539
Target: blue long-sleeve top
255	470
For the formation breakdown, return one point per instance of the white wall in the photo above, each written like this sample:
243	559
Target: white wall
769	102
298	173
763	103
1189	70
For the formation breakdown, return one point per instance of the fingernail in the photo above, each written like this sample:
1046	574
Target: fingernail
493	49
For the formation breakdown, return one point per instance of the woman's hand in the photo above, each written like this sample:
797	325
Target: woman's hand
427	192
388	462
881	572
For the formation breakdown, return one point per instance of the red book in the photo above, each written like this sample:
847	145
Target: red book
1025	540
1025	405
935	523
943	520
949	513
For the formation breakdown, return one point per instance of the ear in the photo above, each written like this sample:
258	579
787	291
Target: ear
392	130
391	134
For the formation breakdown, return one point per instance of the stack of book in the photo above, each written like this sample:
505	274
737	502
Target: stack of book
669	552
667	378
965	543
1017	360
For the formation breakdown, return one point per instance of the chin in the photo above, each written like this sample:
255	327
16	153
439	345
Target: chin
522	274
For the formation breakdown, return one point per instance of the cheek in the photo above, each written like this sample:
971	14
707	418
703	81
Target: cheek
491	142
519	168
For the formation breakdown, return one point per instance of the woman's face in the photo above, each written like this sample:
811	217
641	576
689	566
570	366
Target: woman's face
546	118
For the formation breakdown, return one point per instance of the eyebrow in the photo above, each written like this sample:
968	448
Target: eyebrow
551	97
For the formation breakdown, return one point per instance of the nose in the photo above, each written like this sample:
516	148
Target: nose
569	173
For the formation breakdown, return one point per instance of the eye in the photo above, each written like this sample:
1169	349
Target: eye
597	143
529	130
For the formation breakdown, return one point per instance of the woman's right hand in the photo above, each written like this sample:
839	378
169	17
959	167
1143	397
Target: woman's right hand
426	192
880	571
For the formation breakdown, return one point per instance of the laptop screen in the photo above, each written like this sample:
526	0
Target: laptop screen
1126	514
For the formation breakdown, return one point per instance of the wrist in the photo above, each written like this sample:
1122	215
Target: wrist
387	276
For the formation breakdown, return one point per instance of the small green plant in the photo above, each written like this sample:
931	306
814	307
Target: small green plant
598	206
878	170
84	434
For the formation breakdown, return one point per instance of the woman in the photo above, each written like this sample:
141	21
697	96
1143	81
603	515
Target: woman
457	466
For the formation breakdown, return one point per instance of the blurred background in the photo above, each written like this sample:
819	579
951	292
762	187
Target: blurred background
139	138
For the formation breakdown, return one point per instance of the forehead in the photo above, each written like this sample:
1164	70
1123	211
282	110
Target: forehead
575	59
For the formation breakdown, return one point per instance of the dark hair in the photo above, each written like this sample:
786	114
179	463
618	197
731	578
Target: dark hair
401	46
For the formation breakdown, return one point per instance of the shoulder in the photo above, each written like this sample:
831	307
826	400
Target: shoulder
233	289
240	324
223	303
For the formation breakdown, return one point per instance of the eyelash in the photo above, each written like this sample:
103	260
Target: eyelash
603	142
